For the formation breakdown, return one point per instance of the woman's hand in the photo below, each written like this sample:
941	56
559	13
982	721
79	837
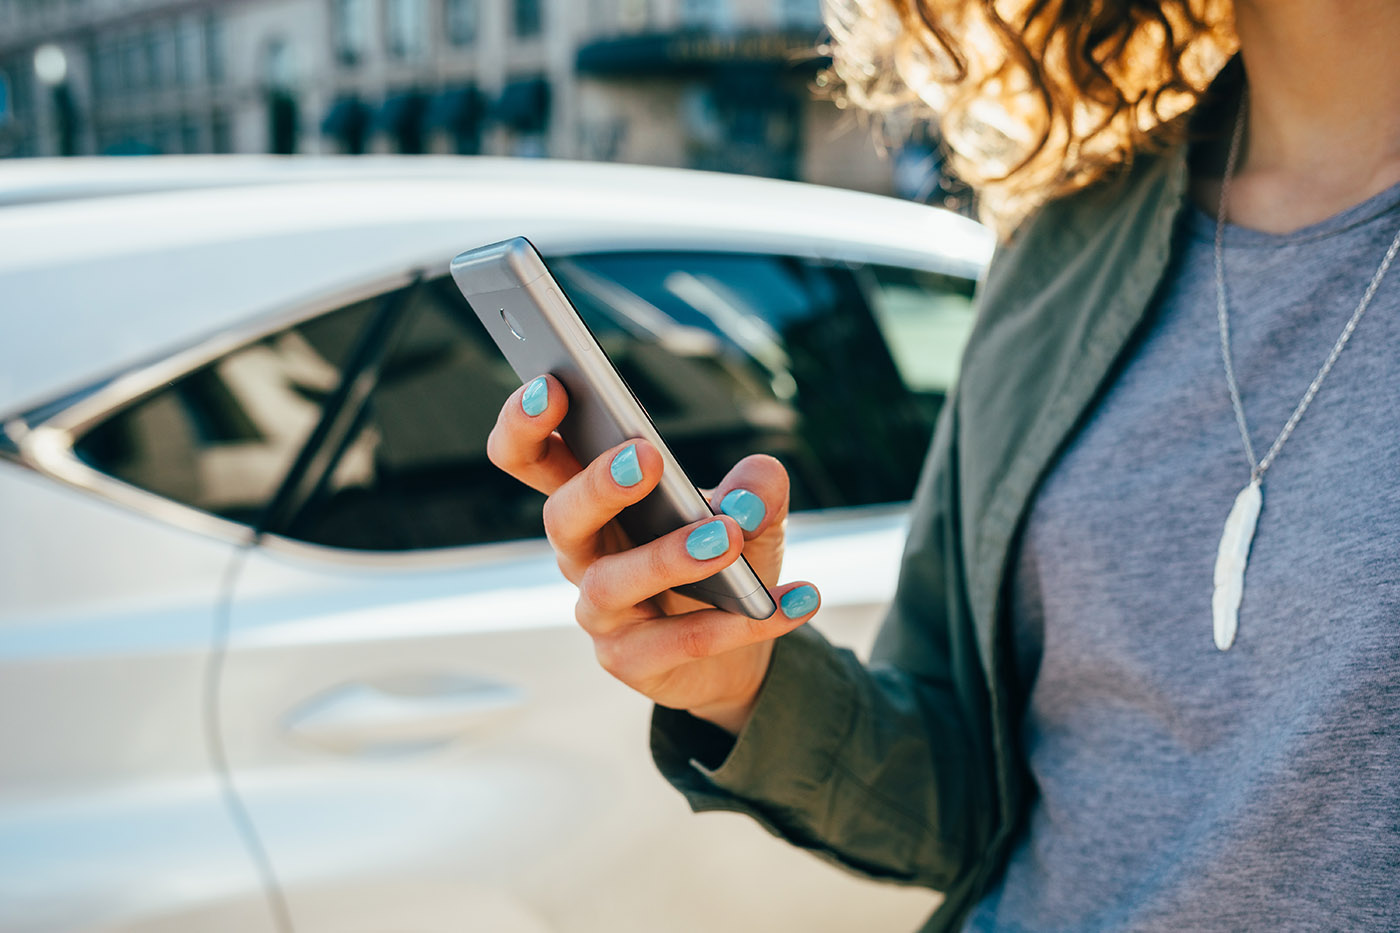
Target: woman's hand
679	652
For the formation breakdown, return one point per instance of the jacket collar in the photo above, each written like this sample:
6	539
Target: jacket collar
1107	253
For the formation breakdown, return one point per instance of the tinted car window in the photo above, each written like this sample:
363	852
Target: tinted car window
737	354
926	318
415	475
222	437
731	355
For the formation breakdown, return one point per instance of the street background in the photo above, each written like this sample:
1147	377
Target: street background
727	85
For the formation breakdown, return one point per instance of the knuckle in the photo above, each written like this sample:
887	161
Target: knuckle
695	640
610	656
569	568
657	564
592	593
584	611
553	516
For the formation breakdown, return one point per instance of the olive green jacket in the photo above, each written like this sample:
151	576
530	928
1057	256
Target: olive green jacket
909	769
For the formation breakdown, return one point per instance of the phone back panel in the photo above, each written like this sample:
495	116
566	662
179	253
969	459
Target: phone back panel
525	312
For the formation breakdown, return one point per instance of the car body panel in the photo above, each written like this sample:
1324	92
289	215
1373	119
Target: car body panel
109	814
477	736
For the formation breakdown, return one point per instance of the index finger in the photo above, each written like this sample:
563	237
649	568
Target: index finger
524	442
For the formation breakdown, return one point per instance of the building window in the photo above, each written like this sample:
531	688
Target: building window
161	50
150	51
350	27
134	65
214	49
462	19
633	15
189	135
800	12
188	63
706	14
407	28
107	71
220	132
528	20
279	65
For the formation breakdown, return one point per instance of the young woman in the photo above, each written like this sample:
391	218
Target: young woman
1142	670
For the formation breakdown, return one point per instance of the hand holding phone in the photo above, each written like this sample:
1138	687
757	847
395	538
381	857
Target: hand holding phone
524	310
671	647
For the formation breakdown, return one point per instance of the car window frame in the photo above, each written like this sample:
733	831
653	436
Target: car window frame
45	436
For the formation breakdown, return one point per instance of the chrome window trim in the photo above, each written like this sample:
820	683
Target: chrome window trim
47	447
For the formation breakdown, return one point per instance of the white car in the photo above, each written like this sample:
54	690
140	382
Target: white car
280	650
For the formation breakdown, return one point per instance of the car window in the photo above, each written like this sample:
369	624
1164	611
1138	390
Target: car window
926	318
222	437
414	475
735	353
824	366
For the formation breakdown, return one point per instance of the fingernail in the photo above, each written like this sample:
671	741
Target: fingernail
797	603
708	541
625	468
536	397
744	507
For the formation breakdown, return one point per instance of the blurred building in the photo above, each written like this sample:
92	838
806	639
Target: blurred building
717	84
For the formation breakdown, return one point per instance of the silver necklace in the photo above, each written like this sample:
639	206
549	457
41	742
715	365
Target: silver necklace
1235	541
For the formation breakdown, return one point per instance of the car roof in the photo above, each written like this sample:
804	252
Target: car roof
107	263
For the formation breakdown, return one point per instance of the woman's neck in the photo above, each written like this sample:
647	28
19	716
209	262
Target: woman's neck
1324	110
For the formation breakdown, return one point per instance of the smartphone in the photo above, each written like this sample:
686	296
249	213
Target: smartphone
539	331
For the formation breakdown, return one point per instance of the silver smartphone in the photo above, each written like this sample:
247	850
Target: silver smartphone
539	331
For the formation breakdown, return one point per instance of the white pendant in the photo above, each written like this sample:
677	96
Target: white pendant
1230	562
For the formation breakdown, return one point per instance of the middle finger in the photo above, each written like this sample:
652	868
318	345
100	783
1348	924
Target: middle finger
617	582
578	510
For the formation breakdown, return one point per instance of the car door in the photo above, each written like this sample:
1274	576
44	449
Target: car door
415	725
111	817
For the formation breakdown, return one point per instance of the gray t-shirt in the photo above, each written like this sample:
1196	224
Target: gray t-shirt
1181	787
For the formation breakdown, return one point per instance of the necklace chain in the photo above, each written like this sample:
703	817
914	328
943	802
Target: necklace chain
1257	467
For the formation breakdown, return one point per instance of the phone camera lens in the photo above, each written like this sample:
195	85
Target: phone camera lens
513	324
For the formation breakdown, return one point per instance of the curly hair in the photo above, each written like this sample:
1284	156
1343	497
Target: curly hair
1034	99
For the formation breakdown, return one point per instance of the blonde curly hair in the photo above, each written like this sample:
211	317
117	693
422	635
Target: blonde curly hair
1034	99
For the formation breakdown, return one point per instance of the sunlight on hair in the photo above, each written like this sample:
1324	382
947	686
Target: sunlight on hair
1034	99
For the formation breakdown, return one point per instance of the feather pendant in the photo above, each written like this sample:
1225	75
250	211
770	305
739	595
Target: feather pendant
1230	562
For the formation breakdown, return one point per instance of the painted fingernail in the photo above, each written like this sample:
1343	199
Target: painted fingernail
744	507
799	602
536	397
708	541
625	468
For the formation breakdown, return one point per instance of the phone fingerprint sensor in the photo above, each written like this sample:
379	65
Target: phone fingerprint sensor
513	324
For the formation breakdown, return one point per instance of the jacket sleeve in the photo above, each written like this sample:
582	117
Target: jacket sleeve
881	768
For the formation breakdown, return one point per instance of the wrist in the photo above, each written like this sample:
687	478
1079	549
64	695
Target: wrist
730	718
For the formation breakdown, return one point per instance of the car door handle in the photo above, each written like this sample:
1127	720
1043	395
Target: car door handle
402	713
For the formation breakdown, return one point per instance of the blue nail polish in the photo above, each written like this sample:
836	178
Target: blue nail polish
744	507
799	602
625	468
536	397
708	541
